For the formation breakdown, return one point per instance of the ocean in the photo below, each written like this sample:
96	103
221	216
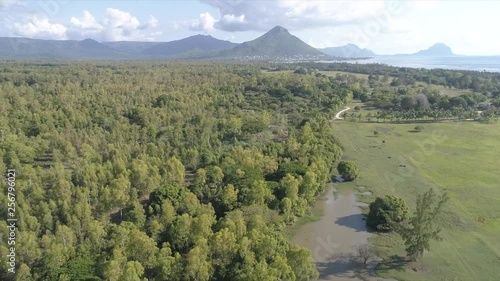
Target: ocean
483	63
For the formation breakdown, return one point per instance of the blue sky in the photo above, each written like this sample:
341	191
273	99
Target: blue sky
386	27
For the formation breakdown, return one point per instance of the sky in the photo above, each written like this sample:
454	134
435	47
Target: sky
386	27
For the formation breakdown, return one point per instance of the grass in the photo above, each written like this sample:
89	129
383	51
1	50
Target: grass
461	158
334	73
451	92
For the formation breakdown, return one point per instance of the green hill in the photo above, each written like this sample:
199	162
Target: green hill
276	43
24	48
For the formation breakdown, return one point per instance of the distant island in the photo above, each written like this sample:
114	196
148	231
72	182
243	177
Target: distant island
436	50
348	51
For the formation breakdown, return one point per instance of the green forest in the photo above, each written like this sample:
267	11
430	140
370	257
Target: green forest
188	170
162	171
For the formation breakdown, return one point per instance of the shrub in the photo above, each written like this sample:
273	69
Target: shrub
385	213
348	169
418	128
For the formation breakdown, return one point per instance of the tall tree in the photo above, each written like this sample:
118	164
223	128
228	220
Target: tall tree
421	228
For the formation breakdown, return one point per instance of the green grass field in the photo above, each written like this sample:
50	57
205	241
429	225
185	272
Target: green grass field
451	92
461	158
334	73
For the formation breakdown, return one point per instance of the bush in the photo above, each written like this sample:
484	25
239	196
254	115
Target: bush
376	133
385	213
364	97
418	128
348	169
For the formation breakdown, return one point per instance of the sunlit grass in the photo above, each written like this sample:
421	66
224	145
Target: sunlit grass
461	158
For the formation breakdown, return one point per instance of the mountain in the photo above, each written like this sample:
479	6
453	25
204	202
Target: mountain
436	50
197	44
131	47
348	51
276	43
24	48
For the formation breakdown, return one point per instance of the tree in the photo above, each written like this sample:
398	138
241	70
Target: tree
421	101
24	273
198	266
119	191
408	102
81	269
304	271
228	199
224	247
175	171
365	252
385	213
133	271
421	228
348	169
309	186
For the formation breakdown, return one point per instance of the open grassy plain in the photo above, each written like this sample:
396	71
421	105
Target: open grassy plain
462	158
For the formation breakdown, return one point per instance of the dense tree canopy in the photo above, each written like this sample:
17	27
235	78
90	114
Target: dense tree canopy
387	212
348	170
178	171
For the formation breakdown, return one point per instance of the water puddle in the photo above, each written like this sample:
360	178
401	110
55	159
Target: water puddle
333	239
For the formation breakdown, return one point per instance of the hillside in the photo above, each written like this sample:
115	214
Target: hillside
132	47
276	43
348	51
189	45
23	48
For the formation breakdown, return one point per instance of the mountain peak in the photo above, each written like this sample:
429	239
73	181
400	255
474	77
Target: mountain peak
276	43
278	29
438	49
89	40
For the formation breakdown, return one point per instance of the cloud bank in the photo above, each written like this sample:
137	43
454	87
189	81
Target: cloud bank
116	25
240	15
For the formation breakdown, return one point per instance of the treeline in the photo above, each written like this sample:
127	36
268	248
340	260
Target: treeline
408	98
151	171
481	82
414	115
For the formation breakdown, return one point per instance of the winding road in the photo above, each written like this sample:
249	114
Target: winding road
337	116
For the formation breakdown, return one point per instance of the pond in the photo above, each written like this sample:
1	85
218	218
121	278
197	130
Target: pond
333	239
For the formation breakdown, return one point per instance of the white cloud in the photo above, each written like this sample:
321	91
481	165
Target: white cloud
117	25
401	25
119	19
86	22
152	22
40	27
240	15
205	23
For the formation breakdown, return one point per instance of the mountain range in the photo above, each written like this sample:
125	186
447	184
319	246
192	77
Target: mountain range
348	51
276	44
23	48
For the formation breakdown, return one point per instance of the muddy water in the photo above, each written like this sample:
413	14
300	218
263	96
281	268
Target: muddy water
332	239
